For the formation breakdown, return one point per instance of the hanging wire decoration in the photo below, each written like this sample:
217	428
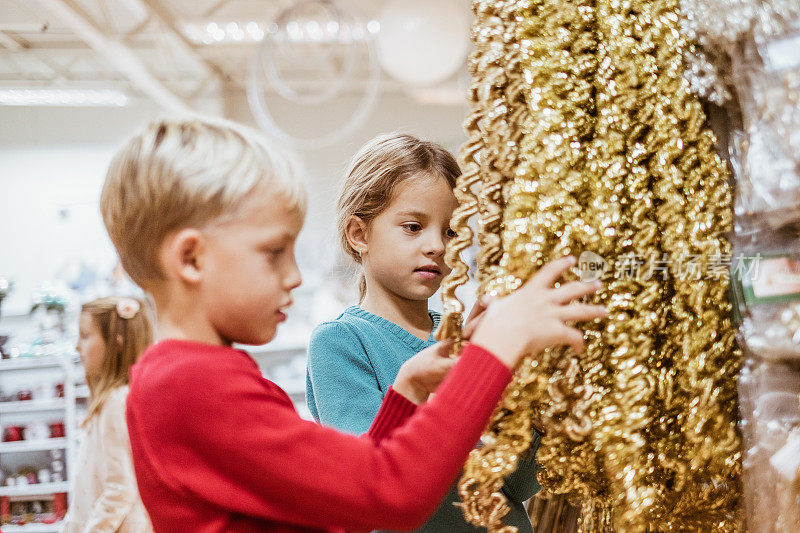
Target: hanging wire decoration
322	45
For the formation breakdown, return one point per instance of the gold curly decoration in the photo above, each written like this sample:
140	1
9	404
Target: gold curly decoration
704	464
614	158
470	155
501	99
545	190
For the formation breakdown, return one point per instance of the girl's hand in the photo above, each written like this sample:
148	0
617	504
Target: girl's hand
475	316
536	316
420	375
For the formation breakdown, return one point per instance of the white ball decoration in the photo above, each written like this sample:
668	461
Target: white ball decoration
423	42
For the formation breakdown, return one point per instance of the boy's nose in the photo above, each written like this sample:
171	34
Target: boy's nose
294	279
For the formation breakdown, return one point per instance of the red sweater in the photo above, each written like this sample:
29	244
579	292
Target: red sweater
216	447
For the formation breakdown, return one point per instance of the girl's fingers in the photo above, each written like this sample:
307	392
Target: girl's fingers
469	327
443	348
475	315
580	312
479	307
575	289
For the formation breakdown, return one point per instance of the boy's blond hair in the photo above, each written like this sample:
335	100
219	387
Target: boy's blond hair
180	173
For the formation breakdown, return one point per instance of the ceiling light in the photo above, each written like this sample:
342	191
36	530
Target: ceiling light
63	97
302	31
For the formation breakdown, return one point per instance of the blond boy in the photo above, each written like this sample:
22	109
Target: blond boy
204	215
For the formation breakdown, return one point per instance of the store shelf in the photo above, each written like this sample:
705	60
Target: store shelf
33	445
33	528
56	364
272	351
40	489
292	389
82	391
25	363
33	405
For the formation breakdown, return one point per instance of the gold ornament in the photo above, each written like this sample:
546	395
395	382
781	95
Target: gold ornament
610	155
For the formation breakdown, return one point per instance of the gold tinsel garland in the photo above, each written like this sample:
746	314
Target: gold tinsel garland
497	159
629	342
696	436
470	156
612	156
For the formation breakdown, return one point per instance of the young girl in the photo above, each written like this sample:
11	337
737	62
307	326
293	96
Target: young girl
394	219
112	333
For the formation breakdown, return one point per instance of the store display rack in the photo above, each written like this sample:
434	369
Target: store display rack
34	453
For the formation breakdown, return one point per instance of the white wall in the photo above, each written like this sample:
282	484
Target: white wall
53	160
52	164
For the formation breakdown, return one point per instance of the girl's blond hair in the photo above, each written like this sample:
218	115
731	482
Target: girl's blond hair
126	334
374	173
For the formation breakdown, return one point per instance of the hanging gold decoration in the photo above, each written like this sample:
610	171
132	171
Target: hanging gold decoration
450	327
609	155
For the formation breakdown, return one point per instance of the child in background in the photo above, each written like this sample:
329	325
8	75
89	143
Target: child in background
393	216
113	332
204	215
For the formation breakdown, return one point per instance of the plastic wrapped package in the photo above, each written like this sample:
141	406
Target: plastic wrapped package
715	28
770	414
786	462
768	181
766	155
766	290
775	90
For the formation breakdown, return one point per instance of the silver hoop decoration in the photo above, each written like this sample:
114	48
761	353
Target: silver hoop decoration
339	17
260	70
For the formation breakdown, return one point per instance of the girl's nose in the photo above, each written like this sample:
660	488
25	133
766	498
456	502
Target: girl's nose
434	247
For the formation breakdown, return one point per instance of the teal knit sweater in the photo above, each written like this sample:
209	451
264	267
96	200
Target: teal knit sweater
352	361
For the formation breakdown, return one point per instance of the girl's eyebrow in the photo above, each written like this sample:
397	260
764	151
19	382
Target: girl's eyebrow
412	213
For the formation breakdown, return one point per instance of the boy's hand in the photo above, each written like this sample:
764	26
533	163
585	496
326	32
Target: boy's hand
534	317
420	375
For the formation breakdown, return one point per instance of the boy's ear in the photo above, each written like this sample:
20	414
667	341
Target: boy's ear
183	255
356	233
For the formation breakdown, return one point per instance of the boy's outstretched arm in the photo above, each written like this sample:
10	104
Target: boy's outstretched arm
230	439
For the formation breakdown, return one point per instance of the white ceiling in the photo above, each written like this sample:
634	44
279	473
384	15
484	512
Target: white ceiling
141	47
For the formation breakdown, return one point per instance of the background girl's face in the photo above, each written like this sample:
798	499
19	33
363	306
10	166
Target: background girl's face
405	243
91	346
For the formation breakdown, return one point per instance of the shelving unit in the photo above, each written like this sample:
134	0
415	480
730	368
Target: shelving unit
39	489
25	363
33	528
81	392
36	374
56	404
34	445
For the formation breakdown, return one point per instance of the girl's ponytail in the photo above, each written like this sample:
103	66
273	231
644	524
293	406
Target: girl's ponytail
126	328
